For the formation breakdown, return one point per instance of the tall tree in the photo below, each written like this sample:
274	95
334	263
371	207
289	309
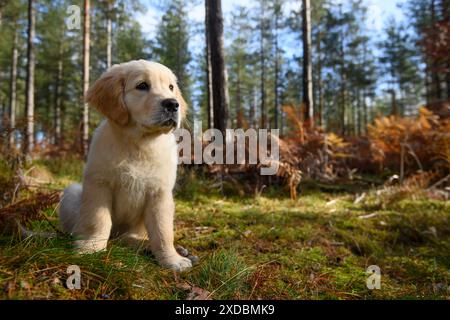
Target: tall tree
262	58
29	143
86	44
445	7
277	8
109	12
57	97
435	64
318	30
399	63
13	89
307	63
242	67
10	51
209	95
430	19
171	45
219	73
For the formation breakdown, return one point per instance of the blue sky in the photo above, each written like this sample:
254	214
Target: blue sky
379	11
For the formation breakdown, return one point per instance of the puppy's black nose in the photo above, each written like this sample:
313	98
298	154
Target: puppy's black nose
170	105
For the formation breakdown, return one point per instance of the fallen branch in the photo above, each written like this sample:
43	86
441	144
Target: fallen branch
439	182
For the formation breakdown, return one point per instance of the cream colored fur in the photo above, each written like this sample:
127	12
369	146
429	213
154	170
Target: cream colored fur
131	166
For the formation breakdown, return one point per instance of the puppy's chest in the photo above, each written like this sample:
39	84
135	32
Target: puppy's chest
136	176
152	174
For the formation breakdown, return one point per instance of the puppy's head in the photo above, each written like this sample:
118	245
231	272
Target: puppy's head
139	94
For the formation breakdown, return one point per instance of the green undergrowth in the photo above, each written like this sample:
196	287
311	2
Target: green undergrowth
250	247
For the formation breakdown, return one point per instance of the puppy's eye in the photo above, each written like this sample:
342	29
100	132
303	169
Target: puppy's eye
143	86
171	87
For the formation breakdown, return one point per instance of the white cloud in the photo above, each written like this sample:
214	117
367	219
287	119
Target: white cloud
197	13
149	21
374	17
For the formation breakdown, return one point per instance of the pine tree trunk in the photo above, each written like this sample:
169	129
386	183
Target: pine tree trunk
255	108
209	95
445	6
277	71
29	101
13	91
343	92
238	97
447	80
179	53
3	114
435	65
57	102
109	34
307	66
86	43
263	71
218	67
394	110
343	81
366	115
353	109
359	114
319	80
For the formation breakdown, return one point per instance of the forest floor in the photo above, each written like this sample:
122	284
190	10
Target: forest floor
250	247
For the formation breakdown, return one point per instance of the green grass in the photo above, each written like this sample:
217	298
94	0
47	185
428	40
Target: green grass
264	247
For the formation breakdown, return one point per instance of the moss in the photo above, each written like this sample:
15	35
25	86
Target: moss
264	247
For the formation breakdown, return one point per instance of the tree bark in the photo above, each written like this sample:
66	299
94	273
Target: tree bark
307	66
86	43
447	79
435	65
445	6
110	5
263	70
178	66
209	95
359	114
218	67
277	66
366	115
343	88
29	100
57	102
253	108
13	91
319	80
238	96
394	109
343	91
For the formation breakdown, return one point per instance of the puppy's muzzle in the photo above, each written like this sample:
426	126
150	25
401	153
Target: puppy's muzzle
170	112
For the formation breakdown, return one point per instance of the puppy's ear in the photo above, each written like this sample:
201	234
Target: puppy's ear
106	94
182	102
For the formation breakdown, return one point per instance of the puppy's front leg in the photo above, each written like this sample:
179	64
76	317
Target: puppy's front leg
94	224
159	215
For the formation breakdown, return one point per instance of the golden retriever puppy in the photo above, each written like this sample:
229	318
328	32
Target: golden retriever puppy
132	164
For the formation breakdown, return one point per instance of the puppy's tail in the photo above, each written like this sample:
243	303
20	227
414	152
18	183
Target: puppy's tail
68	215
69	210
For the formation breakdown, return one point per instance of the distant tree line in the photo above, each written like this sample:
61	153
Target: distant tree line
317	57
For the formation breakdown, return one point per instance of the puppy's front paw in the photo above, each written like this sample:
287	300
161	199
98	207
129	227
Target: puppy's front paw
177	263
89	246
